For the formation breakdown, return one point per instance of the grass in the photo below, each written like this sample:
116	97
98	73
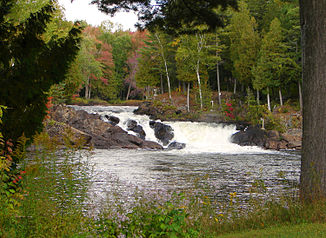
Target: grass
289	231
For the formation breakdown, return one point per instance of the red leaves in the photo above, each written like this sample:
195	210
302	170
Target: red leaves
228	111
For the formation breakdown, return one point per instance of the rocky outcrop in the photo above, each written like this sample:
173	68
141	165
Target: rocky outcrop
147	108
252	136
112	120
273	140
132	125
176	146
100	134
64	133
162	132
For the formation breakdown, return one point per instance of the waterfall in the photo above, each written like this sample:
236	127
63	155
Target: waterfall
199	137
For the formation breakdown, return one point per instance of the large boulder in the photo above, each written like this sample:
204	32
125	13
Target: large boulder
103	135
132	125
162	132
112	120
176	146
252	136
64	134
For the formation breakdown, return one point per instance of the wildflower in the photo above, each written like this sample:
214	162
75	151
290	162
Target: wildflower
216	219
20	177
23	172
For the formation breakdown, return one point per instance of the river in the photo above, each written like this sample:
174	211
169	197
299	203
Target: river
209	160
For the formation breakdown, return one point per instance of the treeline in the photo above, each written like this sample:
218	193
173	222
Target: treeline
257	51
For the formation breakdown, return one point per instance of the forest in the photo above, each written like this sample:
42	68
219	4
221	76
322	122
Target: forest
258	49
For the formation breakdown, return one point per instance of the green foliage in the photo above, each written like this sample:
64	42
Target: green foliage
29	67
11	181
171	16
167	220
255	114
272	61
244	43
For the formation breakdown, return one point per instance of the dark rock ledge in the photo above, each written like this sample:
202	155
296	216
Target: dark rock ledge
254	136
93	130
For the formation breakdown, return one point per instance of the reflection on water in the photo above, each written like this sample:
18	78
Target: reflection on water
173	171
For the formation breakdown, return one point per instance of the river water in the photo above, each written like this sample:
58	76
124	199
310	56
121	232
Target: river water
209	160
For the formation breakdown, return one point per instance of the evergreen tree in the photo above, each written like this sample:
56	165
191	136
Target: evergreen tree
244	44
28	68
272	61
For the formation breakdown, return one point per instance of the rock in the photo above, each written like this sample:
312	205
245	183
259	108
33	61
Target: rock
176	146
294	138
162	132
295	145
132	125
147	108
102	135
253	136
64	133
274	144
151	145
273	135
112	120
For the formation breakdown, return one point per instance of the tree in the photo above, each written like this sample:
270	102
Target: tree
148	74
170	15
138	43
199	52
121	44
244	45
28	68
313	161
272	61
185	73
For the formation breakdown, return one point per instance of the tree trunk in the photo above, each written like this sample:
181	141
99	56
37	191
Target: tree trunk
313	160
188	97
258	102
235	86
199	85
165	65
218	84
218	76
89	91
87	88
162	87
281	98
268	100
128	93
300	96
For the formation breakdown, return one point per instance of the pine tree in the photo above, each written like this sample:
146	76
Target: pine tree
28	68
244	45
272	61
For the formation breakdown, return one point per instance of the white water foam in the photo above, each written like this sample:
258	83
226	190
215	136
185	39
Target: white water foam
199	137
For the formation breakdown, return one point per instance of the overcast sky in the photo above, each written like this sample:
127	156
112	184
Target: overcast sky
81	10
